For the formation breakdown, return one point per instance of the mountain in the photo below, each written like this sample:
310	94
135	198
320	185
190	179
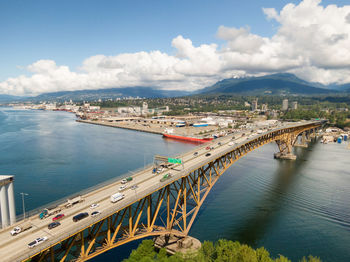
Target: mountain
276	84
9	98
110	93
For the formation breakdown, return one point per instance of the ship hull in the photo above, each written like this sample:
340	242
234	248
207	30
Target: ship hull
188	138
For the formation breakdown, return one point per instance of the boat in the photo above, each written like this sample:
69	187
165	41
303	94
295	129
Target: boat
200	124
188	138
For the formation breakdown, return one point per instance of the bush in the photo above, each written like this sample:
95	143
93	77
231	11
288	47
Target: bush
221	251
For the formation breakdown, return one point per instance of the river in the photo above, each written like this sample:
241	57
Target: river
294	208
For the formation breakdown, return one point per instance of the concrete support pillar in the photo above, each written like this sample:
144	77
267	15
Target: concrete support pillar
4	209
11	202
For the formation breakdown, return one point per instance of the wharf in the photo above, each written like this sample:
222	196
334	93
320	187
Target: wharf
140	128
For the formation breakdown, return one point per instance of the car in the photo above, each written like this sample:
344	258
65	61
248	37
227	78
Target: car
165	177
126	180
94	206
53	225
59	216
207	148
219	144
95	213
195	153
212	148
134	187
231	143
37	241
207	154
80	216
121	188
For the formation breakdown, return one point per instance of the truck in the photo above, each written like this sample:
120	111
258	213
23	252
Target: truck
20	228
126	180
49	211
117	197
73	201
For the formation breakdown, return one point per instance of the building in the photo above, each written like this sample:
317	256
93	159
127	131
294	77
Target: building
264	107
285	104
255	105
294	105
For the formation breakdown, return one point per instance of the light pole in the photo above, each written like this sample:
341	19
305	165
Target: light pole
24	209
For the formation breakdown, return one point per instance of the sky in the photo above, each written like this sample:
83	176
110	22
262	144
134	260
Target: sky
50	46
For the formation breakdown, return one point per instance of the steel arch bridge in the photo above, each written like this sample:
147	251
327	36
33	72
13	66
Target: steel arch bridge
172	208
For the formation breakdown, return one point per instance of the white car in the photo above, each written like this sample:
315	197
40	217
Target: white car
94	206
95	213
121	188
37	241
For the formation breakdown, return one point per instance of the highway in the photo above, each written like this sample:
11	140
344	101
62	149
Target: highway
15	248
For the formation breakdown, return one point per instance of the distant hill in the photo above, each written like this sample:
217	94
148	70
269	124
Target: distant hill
275	84
110	93
9	98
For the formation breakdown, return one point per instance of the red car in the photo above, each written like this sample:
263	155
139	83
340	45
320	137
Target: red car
207	148
59	216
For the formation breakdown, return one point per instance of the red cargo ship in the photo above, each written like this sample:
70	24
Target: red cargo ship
188	138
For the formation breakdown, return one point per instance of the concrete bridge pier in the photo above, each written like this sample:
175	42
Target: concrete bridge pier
285	145
7	201
303	142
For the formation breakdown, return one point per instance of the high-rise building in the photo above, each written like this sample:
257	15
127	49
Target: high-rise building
295	105
255	105
285	104
264	107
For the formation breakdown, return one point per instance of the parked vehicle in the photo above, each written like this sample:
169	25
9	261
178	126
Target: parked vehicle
231	144
37	241
165	177
95	213
59	216
126	180
207	148
94	206
154	170
21	228
80	216
195	153
53	225
207	154
219	144
134	187
117	197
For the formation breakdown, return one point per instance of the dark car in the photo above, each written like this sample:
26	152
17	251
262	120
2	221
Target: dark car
207	154
195	153
53	225
80	216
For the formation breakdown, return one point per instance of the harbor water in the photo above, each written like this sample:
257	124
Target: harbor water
294	208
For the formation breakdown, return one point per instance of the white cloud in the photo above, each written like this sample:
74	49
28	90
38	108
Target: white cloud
312	41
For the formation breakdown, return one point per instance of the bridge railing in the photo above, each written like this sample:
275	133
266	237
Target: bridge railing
86	191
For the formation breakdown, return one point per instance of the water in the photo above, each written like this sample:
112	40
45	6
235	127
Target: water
290	208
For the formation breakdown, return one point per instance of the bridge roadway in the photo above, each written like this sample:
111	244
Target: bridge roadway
14	248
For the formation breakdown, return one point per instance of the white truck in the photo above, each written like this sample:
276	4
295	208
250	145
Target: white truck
20	228
117	197
73	201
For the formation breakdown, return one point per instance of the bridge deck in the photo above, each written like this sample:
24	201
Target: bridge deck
14	248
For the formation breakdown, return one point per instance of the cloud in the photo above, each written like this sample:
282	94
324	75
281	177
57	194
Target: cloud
311	41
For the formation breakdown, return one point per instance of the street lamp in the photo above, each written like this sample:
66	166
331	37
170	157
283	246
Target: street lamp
24	209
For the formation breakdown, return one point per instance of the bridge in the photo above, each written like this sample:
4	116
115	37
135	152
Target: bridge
152	206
